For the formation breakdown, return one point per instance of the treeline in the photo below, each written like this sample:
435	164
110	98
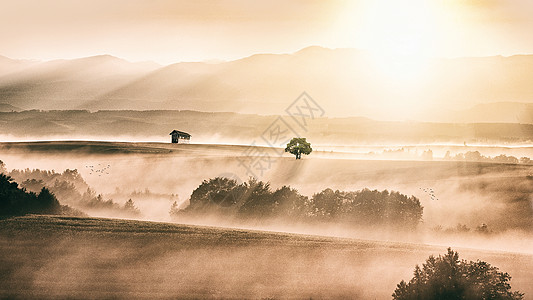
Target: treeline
15	201
403	153
476	156
70	188
35	178
463	229
256	200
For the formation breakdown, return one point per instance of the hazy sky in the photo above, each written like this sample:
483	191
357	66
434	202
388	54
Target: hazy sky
169	31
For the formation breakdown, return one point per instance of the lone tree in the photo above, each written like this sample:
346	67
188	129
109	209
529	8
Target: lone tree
298	146
447	277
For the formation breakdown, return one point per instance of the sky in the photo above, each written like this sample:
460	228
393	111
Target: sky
169	31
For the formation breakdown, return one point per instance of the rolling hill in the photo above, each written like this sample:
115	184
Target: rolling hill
68	83
59	257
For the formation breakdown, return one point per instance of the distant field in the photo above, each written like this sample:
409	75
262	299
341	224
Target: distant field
94	147
57	257
322	150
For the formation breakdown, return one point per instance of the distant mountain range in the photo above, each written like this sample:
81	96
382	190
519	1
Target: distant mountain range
345	82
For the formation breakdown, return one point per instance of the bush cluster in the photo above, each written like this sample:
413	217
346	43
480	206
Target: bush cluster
255	199
447	277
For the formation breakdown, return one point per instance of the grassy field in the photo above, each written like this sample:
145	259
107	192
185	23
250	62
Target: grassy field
58	257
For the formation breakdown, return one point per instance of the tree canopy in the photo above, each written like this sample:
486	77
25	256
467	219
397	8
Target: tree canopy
255	199
70	188
298	146
131	209
16	201
447	277
249	199
367	207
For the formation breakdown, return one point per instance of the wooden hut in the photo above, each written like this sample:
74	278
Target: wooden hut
180	137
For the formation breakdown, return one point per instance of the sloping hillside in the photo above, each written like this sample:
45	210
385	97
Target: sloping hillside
107	258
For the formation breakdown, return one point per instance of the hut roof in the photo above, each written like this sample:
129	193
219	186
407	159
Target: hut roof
180	133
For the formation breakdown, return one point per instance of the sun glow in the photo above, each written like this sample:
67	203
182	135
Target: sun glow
401	35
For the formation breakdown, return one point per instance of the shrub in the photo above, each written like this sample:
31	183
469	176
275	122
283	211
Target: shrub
447	277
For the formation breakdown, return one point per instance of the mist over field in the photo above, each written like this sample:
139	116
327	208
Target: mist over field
479	203
243	129
462	192
364	149
152	260
474	196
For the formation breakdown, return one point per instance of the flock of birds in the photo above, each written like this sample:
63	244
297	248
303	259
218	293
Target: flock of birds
99	169
430	192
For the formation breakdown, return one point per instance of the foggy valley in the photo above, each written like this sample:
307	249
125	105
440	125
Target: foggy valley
364	149
477	207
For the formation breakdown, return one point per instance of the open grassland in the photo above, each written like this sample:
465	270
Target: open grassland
58	257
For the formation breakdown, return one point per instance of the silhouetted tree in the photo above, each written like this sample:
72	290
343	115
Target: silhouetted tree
447	277
370	207
16	201
47	203
327	204
130	208
298	146
256	201
13	201
287	202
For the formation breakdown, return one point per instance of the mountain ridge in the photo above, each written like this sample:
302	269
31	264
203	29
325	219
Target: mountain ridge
345	81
